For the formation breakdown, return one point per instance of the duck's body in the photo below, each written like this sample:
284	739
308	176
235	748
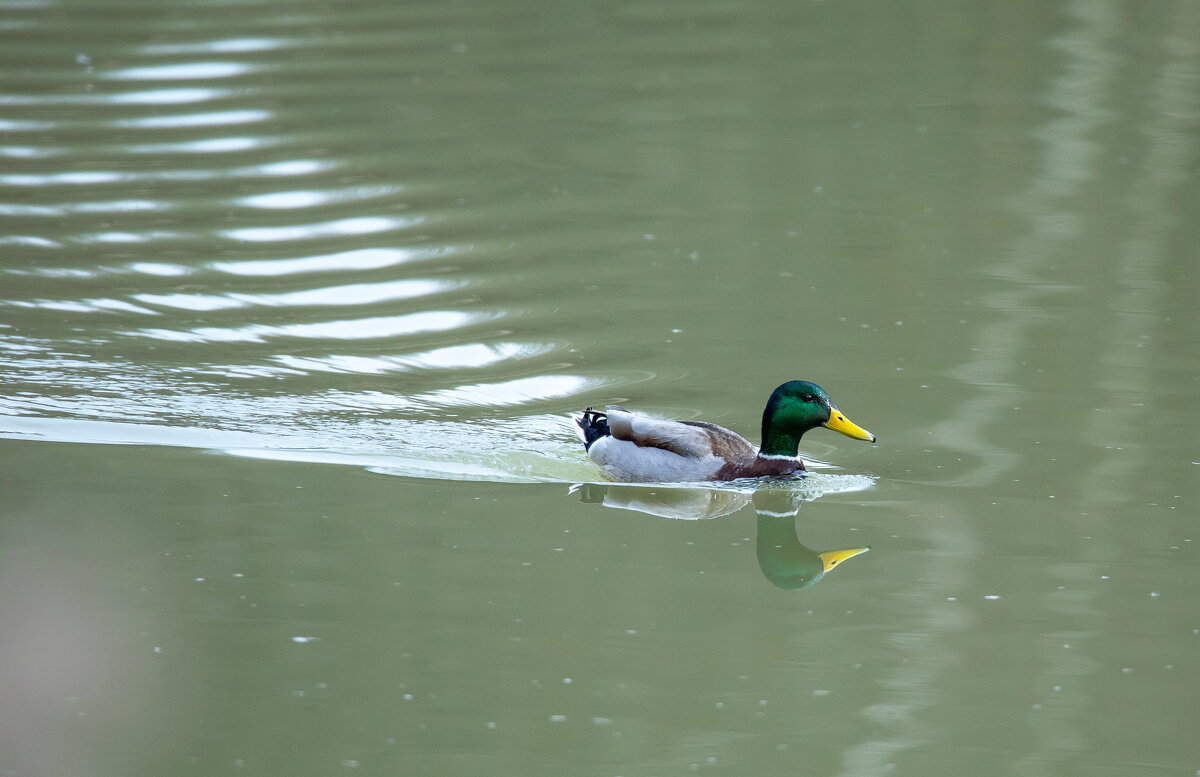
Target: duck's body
633	447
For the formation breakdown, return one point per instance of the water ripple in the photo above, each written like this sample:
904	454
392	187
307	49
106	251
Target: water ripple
352	294
94	206
343	261
313	198
358	225
228	145
520	391
29	152
176	96
514	392
220	46
98	305
206	245
473	355
207	119
355	329
360	259
281	168
182	71
24	125
160	269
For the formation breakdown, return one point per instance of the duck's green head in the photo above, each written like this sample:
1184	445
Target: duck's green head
793	409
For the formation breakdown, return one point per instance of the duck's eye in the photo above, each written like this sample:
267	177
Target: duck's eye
808	397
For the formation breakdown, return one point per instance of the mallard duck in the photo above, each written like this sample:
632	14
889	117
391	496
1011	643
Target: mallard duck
633	447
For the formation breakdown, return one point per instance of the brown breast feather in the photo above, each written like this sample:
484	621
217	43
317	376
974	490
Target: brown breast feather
759	468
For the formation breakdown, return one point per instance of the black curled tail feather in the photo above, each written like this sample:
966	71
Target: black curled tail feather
593	425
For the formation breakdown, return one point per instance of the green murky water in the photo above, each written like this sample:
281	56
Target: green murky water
295	298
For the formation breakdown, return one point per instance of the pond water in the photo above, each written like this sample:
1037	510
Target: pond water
296	298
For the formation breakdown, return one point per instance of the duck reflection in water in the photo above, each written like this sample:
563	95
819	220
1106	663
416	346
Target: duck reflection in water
783	559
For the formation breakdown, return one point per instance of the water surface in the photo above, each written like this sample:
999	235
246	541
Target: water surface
295	301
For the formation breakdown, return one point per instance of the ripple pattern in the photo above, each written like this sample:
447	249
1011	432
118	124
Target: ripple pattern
246	236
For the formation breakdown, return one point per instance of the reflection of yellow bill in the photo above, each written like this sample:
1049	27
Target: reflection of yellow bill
831	558
840	423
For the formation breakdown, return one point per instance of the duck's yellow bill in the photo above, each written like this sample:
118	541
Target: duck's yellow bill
840	423
831	558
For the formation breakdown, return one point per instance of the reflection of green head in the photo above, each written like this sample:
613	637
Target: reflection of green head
782	559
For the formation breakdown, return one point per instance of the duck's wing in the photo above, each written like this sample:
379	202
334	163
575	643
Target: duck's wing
695	439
